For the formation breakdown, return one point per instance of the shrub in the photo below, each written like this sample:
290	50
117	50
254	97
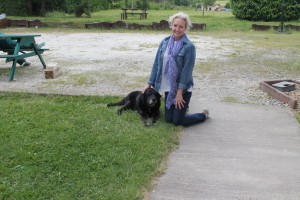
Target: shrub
227	5
17	8
82	8
265	10
55	14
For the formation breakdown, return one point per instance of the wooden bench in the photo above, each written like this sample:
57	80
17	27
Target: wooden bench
143	15
16	53
132	11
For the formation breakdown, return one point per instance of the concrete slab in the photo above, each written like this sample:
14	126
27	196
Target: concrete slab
240	152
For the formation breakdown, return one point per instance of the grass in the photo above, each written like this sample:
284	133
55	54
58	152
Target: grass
298	117
82	79
74	147
230	100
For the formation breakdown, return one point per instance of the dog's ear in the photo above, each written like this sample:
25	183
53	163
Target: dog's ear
157	94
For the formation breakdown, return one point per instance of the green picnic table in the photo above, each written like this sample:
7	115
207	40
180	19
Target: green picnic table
16	53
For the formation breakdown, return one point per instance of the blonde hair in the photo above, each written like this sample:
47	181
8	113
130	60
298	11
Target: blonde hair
182	16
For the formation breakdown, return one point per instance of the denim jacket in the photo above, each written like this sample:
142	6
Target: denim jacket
185	61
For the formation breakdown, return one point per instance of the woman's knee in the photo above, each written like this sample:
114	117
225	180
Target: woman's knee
174	121
178	122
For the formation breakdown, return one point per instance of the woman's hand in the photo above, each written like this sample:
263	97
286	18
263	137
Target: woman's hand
146	87
179	99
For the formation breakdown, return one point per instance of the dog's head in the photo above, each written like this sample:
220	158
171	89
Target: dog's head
152	98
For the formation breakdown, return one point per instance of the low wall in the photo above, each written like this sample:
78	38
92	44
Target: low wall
162	25
4	23
259	27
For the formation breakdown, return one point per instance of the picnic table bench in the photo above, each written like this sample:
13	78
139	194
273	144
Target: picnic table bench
16	53
133	11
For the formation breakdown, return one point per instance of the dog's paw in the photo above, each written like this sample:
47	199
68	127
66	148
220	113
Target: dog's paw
119	112
154	123
147	124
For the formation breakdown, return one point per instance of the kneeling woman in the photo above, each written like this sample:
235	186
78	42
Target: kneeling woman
172	73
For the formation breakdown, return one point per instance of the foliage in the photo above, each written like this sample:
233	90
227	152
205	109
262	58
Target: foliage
15	8
22	8
155	6
93	5
30	7
167	5
81	7
63	147
208	2
97	5
227	5
142	4
55	5
265	10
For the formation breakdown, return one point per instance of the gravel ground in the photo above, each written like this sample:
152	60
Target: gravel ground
117	63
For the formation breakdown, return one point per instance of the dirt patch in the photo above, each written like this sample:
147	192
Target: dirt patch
117	63
101	63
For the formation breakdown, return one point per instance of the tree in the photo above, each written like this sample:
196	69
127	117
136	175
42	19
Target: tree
182	2
142	4
81	7
30	7
126	4
36	7
265	10
227	5
206	3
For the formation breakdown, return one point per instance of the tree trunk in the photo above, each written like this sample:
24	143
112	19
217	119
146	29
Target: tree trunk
29	7
43	8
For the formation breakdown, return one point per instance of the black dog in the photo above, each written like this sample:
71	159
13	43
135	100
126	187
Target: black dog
147	104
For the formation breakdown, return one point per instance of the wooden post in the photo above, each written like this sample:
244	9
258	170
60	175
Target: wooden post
52	71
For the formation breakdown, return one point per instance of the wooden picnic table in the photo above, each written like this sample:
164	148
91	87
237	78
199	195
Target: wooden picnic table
16	53
133	11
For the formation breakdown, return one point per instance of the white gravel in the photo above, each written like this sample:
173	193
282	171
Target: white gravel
117	63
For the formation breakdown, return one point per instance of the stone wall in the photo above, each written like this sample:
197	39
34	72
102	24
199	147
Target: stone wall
4	23
258	27
162	25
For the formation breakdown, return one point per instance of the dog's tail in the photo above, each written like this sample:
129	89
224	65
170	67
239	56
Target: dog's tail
120	103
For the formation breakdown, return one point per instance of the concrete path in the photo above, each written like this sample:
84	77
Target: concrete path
240	152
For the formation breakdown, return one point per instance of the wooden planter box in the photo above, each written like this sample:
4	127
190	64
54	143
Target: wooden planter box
267	87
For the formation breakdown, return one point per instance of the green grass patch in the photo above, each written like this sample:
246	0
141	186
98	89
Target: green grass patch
230	100
74	147
203	67
298	117
82	79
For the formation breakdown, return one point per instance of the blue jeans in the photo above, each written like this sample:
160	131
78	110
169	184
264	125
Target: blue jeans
178	116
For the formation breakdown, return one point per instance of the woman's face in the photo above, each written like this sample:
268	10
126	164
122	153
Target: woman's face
178	28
